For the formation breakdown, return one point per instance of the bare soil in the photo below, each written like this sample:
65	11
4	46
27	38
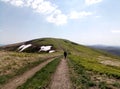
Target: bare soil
19	80
109	61
60	79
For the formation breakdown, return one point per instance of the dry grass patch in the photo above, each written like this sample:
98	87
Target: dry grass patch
109	61
13	63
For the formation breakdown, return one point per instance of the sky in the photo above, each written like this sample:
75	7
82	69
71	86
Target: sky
86	22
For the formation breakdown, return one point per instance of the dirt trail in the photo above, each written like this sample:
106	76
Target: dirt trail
61	78
22	78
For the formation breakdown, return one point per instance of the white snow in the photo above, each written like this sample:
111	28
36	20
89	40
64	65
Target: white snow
51	51
23	47
42	48
45	48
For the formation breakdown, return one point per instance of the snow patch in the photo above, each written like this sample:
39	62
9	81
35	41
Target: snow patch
51	51
23	47
45	48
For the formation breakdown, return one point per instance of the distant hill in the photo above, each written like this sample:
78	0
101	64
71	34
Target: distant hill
89	67
1	44
110	49
42	44
54	45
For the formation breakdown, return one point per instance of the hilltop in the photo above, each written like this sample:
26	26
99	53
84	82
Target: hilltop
46	45
88	68
36	44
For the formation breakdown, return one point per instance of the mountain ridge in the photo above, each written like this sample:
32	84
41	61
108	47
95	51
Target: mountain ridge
115	50
57	45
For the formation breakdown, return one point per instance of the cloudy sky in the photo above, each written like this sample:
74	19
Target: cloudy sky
83	21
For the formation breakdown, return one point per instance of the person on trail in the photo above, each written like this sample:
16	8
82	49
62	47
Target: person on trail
65	54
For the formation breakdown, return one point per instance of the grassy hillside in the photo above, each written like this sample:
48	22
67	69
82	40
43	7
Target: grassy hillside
13	63
88	67
57	44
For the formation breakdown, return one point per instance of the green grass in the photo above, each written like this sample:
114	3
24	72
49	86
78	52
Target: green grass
79	77
82	69
31	65
93	65
116	84
42	78
5	78
85	57
103	85
18	63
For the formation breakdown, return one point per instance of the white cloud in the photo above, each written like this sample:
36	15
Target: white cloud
35	3
50	11
98	16
115	31
57	17
17	2
5	0
53	14
90	2
77	15
28	2
46	8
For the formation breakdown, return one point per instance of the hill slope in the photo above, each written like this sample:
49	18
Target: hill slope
88	67
52	44
37	44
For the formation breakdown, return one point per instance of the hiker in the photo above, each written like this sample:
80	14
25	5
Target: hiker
65	54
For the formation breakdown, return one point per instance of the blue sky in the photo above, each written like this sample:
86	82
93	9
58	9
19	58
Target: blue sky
86	22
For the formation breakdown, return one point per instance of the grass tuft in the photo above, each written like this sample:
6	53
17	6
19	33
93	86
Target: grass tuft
42	78
80	78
